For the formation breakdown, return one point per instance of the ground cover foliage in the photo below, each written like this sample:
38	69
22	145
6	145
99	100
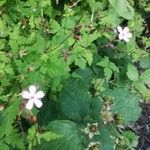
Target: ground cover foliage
92	74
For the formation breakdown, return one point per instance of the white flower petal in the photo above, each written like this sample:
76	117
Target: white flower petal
97	133
88	124
121	36
39	95
115	30
32	89
38	103
95	124
86	130
129	35
91	144
126	30
25	95
29	105
119	28
91	135
126	39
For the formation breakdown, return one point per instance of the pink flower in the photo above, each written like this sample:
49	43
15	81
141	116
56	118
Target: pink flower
33	96
124	34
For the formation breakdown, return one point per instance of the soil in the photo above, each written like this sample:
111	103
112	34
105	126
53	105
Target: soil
142	127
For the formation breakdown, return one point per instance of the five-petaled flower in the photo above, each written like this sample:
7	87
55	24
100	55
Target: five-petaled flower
93	146
91	130
33	96
124	34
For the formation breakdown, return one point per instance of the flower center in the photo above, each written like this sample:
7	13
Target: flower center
94	147
93	128
32	97
123	34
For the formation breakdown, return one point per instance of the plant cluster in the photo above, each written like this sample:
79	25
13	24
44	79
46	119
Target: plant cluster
72	73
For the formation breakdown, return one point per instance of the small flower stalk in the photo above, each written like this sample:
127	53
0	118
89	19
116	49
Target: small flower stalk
33	96
93	146
124	33
91	130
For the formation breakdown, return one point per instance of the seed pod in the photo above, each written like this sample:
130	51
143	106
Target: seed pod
118	119
30	69
41	130
32	118
78	28
22	106
77	37
24	22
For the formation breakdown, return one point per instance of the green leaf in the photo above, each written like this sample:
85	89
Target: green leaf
8	117
55	26
2	2
88	56
113	67
3	57
75	99
139	86
96	106
2	44
3	146
8	69
132	73
39	45
55	66
87	39
80	62
91	4
49	112
105	139
31	138
108	73
125	104
145	77
48	136
81	56
71	136
123	8
104	62
45	3
14	136
132	139
145	62
85	75
110	17
109	67
127	140
13	45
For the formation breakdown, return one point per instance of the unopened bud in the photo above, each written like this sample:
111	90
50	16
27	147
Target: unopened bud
1	107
